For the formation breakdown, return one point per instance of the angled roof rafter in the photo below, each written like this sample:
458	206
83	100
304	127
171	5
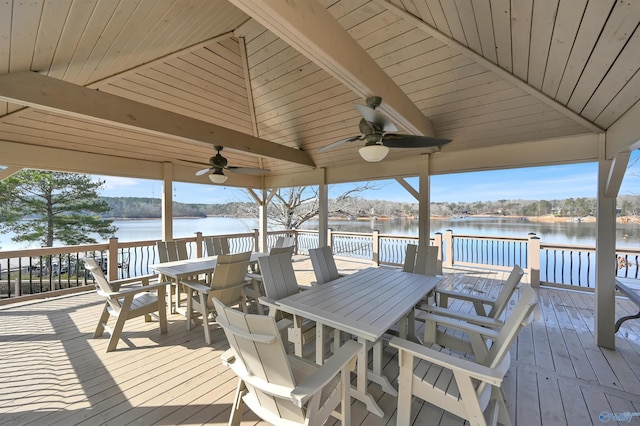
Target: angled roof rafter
309	28
50	94
480	60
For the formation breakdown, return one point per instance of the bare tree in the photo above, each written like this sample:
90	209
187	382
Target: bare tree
291	207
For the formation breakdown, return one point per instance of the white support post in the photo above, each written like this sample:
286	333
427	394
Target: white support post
424	210
263	223
167	202
604	327
323	213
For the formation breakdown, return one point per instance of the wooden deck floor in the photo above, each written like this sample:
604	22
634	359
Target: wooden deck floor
53	372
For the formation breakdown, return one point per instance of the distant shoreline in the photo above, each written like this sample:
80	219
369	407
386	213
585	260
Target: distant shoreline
545	218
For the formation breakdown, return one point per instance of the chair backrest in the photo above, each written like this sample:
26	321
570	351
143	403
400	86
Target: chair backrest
103	286
324	265
520	316
257	344
278	250
278	276
169	251
506	292
422	260
217	246
101	281
230	270
285	242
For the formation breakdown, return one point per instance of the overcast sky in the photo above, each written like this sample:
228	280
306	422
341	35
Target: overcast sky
534	183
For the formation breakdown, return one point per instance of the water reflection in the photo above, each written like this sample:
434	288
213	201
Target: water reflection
568	232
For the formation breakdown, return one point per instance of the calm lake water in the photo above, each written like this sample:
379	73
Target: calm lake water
627	235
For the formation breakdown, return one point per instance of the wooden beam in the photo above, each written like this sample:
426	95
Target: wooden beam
624	134
605	303
167	202
424	202
309	28
506	75
18	155
115	77
616	174
410	189
50	94
8	171
564	150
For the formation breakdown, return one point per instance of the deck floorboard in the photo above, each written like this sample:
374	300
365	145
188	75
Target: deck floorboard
53	372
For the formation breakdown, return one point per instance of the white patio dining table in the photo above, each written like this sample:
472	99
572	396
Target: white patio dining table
182	269
365	304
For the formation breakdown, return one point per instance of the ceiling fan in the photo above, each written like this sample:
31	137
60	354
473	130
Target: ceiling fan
219	164
375	128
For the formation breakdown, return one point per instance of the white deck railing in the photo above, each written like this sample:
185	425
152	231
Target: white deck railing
60	269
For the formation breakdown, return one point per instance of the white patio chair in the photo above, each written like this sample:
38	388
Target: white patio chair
285	242
324	265
227	284
470	389
422	260
279	281
171	251
126	302
282	389
216	245
438	333
256	290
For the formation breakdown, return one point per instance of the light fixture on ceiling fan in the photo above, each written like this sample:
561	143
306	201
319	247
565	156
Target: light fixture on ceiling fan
374	127
219	164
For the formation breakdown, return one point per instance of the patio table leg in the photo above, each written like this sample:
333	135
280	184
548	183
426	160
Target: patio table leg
360	391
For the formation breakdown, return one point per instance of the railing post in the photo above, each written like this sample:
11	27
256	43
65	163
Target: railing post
256	240
112	266
18	287
437	242
533	260
329	238
295	241
448	242
376	247
199	241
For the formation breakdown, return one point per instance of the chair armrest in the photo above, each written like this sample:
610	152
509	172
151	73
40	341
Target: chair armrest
228	357
345	356
144	280
254	276
467	297
134	290
472	318
196	286
214	291
461	325
470	368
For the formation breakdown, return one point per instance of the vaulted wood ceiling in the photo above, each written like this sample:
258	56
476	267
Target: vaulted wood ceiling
511	82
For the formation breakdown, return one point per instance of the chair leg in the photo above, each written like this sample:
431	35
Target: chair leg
162	310
101	322
503	414
117	328
403	415
205	317
238	404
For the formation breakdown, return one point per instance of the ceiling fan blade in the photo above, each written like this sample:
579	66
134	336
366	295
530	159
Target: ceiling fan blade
203	171
340	142
411	141
247	170
377	118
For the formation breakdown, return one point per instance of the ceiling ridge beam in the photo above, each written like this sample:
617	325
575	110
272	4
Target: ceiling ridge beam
53	95
122	74
310	29
490	66
247	85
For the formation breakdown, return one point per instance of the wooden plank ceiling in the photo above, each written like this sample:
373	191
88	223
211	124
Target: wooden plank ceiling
556	69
